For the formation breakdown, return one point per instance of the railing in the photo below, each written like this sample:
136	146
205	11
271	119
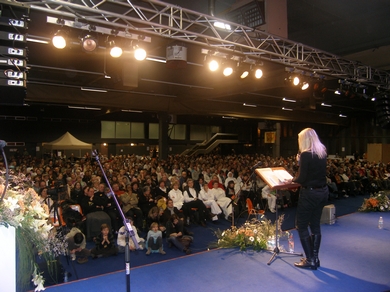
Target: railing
211	144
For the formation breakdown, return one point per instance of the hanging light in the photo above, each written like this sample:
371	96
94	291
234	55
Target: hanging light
89	43
59	39
115	51
213	65
258	73
296	81
228	71
139	54
305	85
244	74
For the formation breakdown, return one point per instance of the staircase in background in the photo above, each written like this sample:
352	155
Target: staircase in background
208	146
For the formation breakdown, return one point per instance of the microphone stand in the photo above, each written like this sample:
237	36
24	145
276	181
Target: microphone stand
126	222
276	250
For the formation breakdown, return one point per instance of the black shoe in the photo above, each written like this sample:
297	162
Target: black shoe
306	264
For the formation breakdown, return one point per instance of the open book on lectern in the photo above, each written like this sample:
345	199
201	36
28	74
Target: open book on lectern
276	178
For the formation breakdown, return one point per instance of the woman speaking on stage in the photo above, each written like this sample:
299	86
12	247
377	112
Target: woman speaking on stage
313	195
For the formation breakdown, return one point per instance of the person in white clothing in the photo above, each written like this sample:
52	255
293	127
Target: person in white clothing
176	196
230	177
208	199
221	199
270	195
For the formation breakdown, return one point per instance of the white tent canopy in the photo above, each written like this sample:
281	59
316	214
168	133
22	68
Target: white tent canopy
67	142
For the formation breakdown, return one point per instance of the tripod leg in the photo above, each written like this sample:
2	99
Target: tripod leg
272	258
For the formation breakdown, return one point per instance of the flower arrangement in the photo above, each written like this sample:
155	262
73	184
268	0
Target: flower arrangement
253	234
379	202
35	236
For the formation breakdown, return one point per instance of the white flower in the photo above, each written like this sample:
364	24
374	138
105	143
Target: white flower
251	238
38	281
12	203
223	233
381	207
255	231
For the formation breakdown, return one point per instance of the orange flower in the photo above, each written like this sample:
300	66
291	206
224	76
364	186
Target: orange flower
373	202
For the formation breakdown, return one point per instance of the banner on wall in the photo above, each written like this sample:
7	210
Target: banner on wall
269	137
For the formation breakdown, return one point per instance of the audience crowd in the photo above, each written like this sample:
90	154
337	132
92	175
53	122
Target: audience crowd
170	194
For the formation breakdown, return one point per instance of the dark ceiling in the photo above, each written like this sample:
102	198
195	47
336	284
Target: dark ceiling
352	29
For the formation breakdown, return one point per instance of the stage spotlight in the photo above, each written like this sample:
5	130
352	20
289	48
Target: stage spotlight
228	71
213	65
258	73
244	74
305	85
115	51
59	39
296	81
139	54
89	43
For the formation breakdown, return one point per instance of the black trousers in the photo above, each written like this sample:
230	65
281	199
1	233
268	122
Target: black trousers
309	210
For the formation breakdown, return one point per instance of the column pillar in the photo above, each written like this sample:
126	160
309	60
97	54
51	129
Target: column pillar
163	146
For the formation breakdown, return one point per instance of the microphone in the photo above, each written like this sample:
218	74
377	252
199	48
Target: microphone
2	144
257	164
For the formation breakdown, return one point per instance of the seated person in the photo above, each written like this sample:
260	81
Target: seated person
121	240
176	195
105	245
130	207
155	215
270	195
146	200
220	197
154	239
208	199
161	190
191	200
76	246
169	211
175	234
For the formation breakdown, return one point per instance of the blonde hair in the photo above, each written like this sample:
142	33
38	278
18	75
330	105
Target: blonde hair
309	141
154	224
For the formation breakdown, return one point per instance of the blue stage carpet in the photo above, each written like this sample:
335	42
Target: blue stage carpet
354	257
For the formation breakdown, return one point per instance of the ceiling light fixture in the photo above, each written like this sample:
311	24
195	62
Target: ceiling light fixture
258	73
228	71
131	111
222	25
93	89
84	108
213	65
249	105
59	39
139	53
325	104
287	109
244	74
288	100
115	51
89	43
305	85
342	116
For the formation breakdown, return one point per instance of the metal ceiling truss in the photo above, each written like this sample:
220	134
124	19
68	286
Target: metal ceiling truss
156	18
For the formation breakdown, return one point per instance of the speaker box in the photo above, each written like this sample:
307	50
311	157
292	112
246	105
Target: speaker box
328	215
